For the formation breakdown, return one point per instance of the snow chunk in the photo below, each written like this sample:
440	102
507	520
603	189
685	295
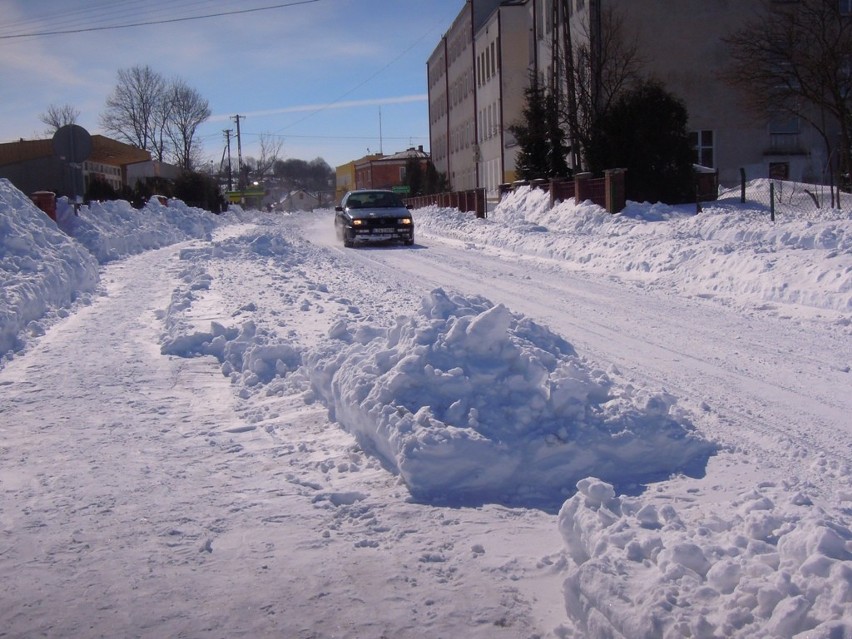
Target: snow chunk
707	579
471	403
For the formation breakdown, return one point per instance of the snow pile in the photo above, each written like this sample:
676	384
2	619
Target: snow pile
42	270
728	251
45	270
112	230
471	404
770	565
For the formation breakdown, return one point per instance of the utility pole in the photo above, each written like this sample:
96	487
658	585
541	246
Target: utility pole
227	133
241	180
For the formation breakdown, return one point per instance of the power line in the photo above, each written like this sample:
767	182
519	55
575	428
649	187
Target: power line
153	22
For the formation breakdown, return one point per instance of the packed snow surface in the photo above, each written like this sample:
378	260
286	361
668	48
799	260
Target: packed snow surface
554	422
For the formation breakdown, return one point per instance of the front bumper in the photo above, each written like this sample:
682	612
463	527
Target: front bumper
382	234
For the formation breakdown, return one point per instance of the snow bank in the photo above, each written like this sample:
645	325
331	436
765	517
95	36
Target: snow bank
113	230
471	403
769	565
42	270
47	266
730	251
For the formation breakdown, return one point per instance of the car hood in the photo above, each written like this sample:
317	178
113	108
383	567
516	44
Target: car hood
385	211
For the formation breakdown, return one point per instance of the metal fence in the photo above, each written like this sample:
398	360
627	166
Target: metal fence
783	197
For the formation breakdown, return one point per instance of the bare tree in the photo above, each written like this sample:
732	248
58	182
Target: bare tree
796	59
58	116
601	65
134	110
270	149
187	110
160	119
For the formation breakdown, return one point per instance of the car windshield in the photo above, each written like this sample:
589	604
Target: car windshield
373	200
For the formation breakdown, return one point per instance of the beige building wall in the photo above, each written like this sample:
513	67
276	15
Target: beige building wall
502	66
681	44
461	99
453	107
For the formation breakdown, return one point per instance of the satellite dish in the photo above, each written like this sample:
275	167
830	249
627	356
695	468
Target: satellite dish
72	143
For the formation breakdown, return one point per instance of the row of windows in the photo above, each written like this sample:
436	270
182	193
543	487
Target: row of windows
461	88
783	137
461	137
436	71
437	108
487	64
97	167
458	43
489	121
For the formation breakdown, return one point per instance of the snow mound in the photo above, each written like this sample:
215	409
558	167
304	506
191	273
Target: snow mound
470	403
730	251
47	266
770	565
41	269
114	230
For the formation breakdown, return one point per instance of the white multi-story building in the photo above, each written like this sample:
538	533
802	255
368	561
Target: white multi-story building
480	68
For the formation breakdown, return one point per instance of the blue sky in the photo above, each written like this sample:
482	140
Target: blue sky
333	78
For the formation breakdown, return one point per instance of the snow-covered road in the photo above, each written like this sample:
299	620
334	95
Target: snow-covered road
767	383
245	435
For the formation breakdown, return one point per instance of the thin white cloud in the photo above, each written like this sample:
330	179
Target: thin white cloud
347	104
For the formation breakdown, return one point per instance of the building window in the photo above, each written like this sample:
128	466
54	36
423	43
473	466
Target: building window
703	146
845	7
784	132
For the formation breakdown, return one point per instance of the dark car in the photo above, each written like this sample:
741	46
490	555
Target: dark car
373	216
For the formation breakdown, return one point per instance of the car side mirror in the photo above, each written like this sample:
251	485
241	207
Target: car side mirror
409	207
339	209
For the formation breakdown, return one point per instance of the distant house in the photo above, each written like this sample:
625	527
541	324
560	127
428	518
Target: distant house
345	175
300	200
31	165
387	171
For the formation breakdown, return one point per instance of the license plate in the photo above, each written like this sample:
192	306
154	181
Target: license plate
383	231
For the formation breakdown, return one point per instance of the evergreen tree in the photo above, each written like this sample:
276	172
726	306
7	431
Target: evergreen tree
414	177
531	162
434	182
644	131
540	137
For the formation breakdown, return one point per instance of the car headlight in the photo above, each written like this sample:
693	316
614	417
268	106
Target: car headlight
405	220
357	222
